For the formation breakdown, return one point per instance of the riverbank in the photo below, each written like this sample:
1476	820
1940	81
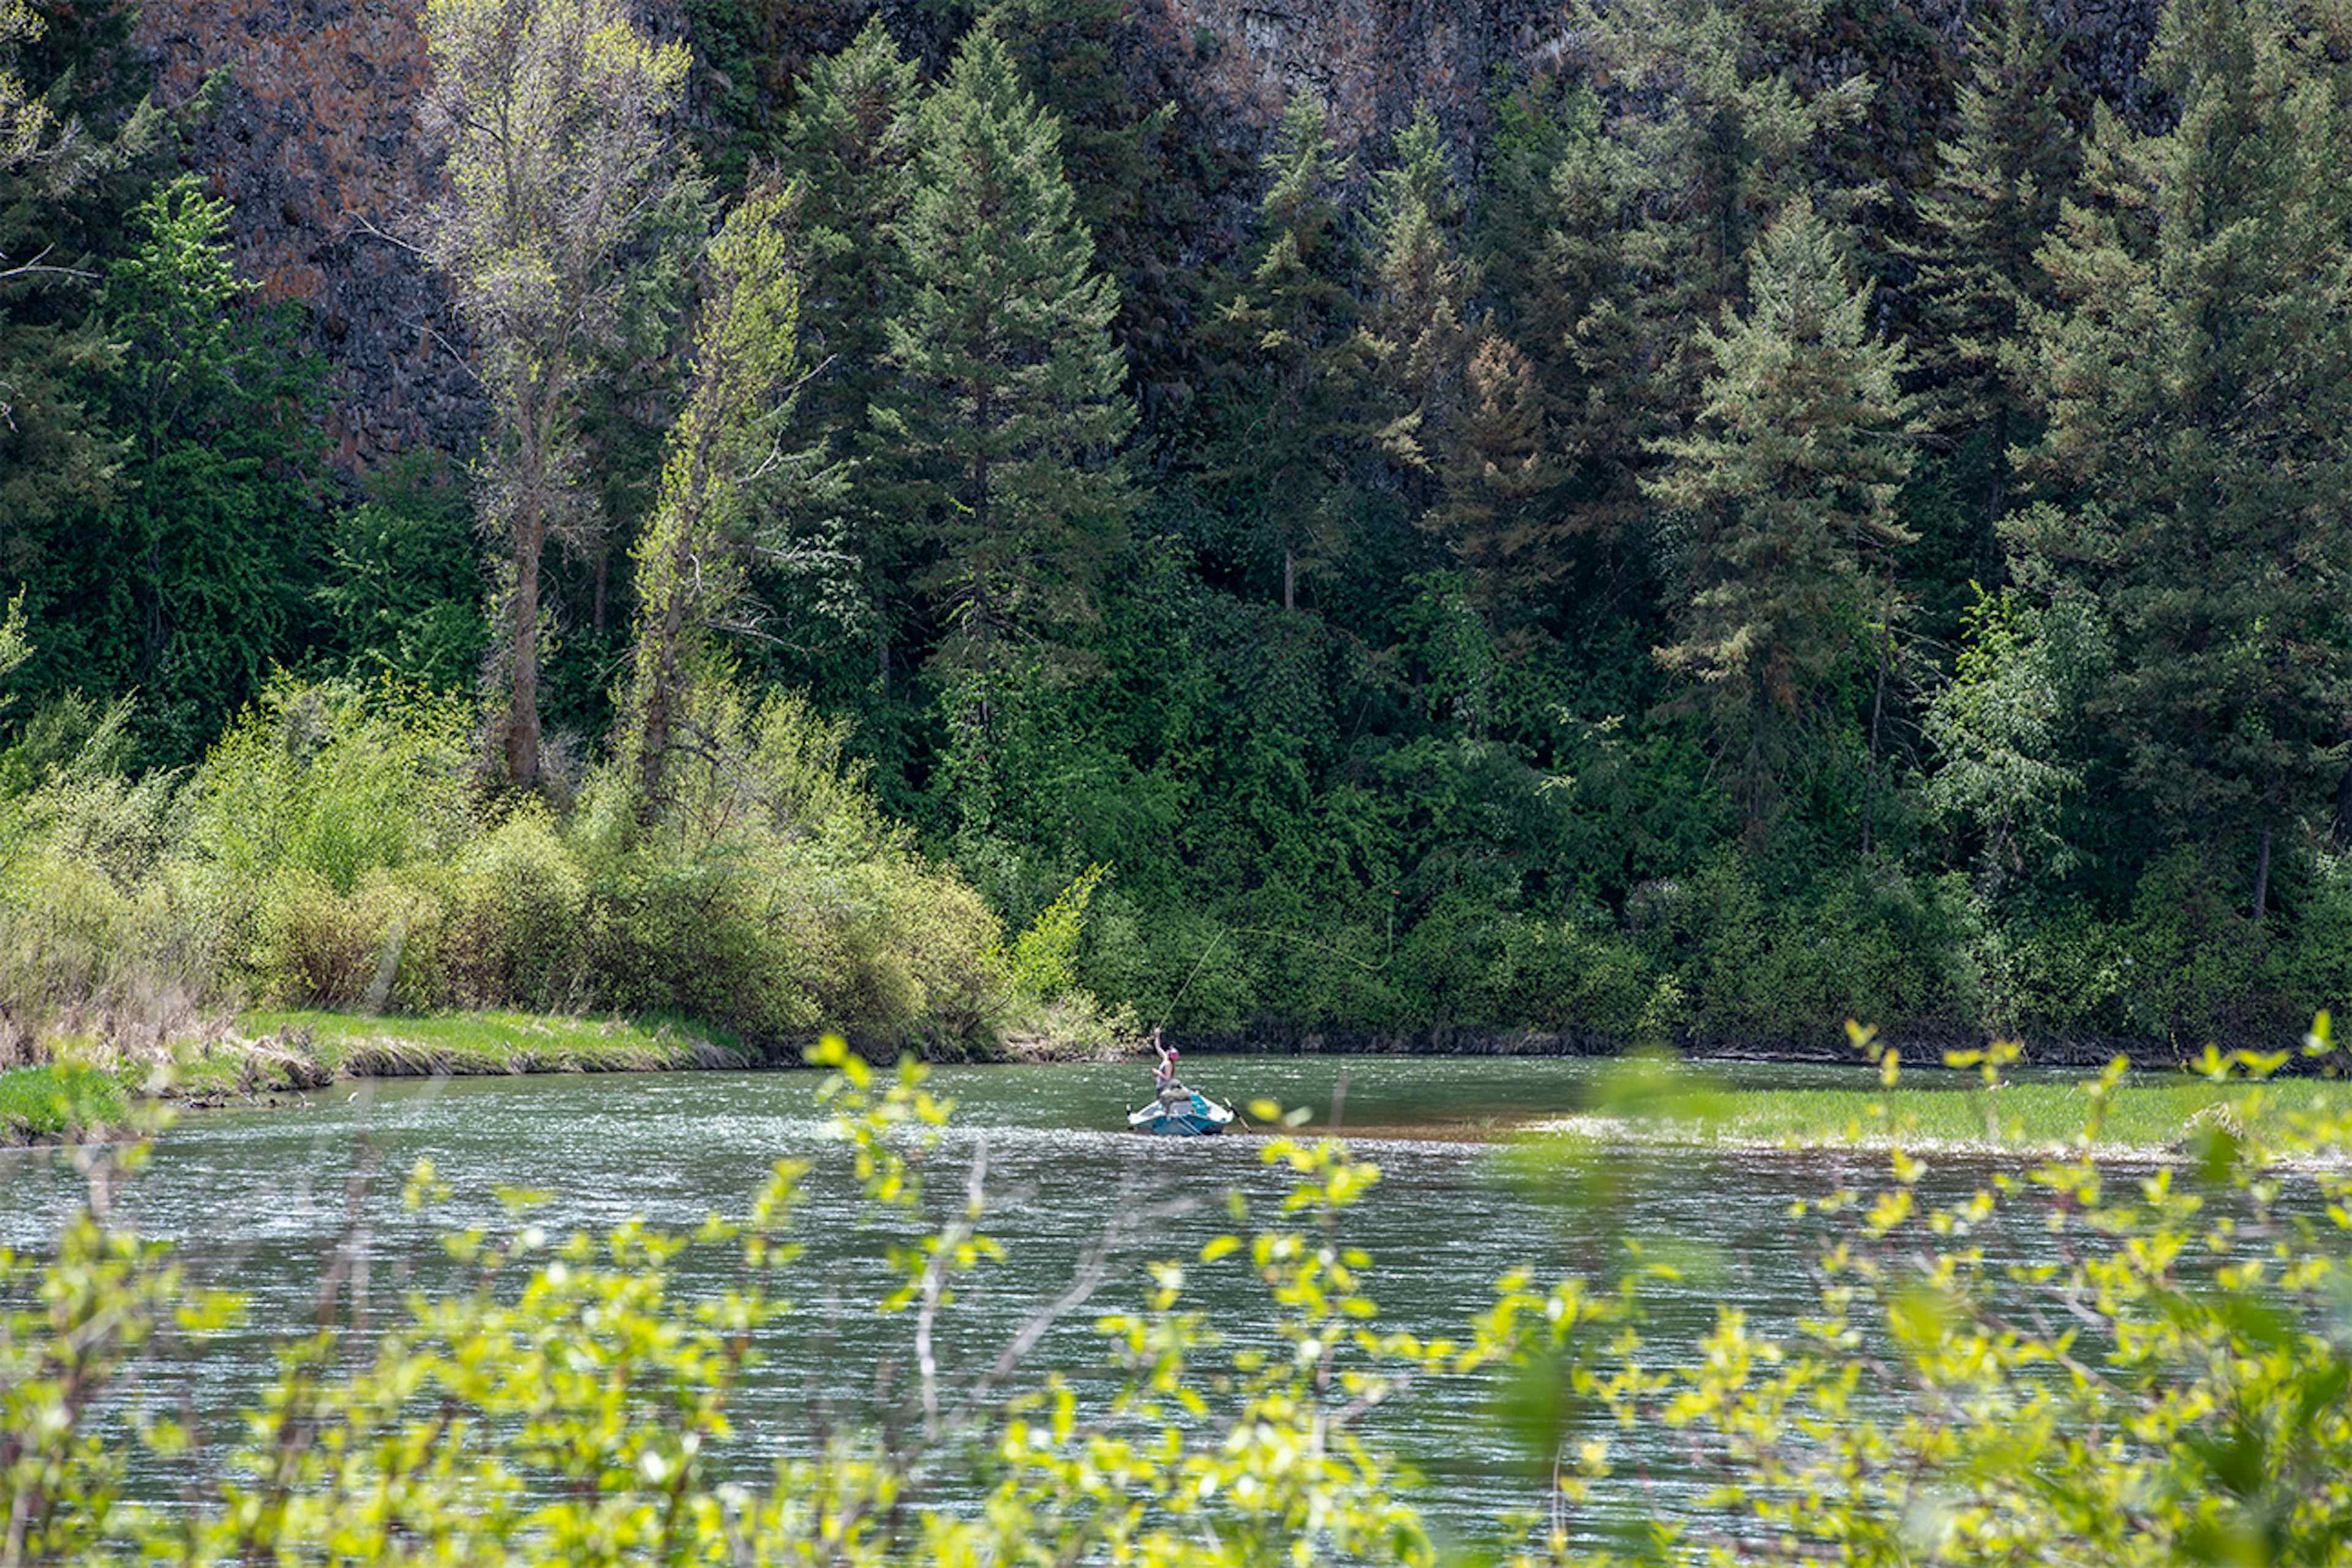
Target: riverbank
263	1055
2140	1118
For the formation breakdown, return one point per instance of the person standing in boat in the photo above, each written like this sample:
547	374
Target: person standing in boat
1164	1076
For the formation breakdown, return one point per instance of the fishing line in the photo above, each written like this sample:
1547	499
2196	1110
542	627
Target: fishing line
1219	936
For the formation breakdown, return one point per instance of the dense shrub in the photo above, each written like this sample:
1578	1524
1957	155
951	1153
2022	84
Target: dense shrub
335	851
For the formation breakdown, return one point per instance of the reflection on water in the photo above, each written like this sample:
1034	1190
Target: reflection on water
259	1199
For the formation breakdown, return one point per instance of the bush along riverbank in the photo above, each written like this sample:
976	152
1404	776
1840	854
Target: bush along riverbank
338	851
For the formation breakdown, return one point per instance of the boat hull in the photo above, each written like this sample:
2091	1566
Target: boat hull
1198	1117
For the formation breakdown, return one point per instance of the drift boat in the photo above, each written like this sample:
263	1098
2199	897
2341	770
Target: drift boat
1193	1115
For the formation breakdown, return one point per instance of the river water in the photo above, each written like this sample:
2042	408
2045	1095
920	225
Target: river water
258	1200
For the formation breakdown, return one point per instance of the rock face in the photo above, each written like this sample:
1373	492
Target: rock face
317	141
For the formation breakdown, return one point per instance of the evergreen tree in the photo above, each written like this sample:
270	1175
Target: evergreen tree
1995	202
850	140
1496	459
554	114
1005	396
81	144
221	521
1710	139
1419	320
2198	383
1292	357
402	594
1784	494
1555	242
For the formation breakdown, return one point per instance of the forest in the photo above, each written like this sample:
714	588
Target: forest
954	553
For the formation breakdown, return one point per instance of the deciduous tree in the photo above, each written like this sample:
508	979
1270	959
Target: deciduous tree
555	117
723	451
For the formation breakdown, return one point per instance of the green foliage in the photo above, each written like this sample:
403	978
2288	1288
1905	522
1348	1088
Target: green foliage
722	453
2194	447
563	181
1636	390
1784	495
66	1100
334	850
403	591
1041	961
1290	355
1008	402
1998	727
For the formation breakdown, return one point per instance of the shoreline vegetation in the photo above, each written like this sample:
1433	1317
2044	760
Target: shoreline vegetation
2152	1121
88	1091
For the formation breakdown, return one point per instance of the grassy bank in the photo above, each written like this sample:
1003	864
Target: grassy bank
267	1053
2140	1115
353	1045
64	1102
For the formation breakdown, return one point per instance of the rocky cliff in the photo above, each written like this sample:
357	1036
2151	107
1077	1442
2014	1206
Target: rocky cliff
316	141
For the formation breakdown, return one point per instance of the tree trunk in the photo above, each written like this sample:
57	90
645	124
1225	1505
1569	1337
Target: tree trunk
2342	827
603	571
1289	579
660	708
2263	877
882	663
522	707
1870	771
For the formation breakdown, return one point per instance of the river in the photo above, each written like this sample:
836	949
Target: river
256	1200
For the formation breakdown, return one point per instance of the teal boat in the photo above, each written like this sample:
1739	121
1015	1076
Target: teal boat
1197	1116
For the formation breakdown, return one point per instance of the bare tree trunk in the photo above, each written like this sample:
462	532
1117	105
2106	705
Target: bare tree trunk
882	663
2342	827
604	574
2263	877
522	707
660	697
1289	579
1870	773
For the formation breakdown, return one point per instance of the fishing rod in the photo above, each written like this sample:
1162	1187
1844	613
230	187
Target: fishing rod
1218	936
1368	967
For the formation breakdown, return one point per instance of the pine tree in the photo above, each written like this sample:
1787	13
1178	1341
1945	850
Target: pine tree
81	147
1006	394
559	161
1554	238
1419	320
1291	356
2197	378
220	521
1710	138
1996	200
1496	460
850	140
1784	493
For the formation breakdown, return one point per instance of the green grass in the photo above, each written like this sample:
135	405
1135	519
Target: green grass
63	1101
2141	1114
354	1045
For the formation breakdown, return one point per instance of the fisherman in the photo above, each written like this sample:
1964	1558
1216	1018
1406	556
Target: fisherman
1164	1076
